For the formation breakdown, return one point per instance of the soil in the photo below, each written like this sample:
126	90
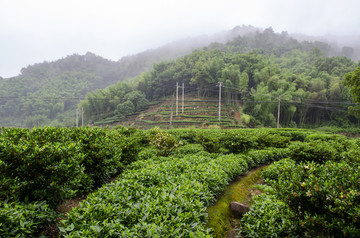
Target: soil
52	231
237	116
69	205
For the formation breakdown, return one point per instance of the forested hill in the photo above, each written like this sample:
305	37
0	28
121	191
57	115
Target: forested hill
44	93
255	71
133	65
48	93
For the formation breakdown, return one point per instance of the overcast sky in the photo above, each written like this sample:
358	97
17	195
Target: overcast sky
32	31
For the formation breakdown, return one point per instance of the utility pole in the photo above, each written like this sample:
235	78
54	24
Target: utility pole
182	107
82	116
220	100
171	113
77	117
278	116
177	98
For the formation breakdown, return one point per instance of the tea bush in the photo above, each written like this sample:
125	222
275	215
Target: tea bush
237	141
320	199
161	196
51	172
164	142
338	142
101	152
169	177
268	217
325	197
24	220
54	164
318	151
188	149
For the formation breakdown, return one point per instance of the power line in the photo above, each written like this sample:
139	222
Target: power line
309	101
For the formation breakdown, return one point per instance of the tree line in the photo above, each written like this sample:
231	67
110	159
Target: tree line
257	71
260	66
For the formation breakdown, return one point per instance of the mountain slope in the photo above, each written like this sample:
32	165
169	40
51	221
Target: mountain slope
258	70
48	93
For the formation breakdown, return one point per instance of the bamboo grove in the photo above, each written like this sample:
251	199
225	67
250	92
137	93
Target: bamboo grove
256	72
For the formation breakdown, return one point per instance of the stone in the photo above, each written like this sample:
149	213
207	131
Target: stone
238	209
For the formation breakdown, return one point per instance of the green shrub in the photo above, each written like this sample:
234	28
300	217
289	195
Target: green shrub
266	139
147	153
268	217
259	157
160	196
338	142
324	197
292	134
188	149
317	151
24	220
185	135
352	156
54	164
284	166
130	145
237	141
209	139
101	154
51	172
265	188
164	143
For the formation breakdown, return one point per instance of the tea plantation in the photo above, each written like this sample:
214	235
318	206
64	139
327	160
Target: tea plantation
162	181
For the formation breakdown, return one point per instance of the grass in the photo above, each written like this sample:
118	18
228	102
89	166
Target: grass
220	216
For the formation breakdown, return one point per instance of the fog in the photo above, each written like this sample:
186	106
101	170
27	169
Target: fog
33	31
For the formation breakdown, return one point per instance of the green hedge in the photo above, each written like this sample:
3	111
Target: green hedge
318	193
161	196
25	220
51	171
54	164
155	195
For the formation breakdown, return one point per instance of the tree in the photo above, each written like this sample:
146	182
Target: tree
231	77
352	80
347	52
124	109
138	100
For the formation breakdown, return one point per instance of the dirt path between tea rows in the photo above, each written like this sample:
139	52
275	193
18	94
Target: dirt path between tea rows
240	190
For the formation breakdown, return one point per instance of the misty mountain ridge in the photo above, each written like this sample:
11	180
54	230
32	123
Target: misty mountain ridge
131	65
65	81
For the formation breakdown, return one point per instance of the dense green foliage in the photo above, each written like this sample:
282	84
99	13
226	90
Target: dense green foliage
256	70
24	220
316	193
352	80
167	196
47	93
54	164
162	196
166	179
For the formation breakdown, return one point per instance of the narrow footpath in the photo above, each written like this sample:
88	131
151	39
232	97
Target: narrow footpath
220	219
